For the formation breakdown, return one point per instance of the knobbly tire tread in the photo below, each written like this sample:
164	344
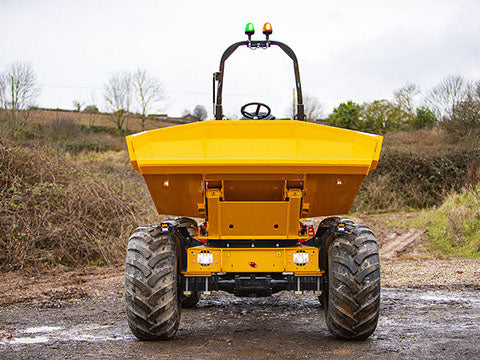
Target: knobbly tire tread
151	294
353	298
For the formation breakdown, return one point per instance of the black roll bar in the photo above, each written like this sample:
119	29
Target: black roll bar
218	76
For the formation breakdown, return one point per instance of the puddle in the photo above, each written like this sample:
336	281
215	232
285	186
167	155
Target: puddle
89	333
438	297
26	340
42	329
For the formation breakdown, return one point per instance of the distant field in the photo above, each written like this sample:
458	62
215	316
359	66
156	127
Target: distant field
134	123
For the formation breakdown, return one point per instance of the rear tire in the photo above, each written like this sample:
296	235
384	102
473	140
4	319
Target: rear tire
353	298
151	290
190	301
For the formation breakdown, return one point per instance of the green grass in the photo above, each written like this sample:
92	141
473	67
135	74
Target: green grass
454	227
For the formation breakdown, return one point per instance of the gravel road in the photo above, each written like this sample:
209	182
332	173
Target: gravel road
414	323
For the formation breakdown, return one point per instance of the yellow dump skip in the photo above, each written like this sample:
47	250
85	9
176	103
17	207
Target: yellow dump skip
257	161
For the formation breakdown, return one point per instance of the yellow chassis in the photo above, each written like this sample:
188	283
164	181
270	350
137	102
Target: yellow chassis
252	260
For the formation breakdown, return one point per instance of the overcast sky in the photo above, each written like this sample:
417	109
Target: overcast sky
347	50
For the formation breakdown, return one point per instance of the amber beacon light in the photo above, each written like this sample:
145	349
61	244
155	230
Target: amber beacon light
267	29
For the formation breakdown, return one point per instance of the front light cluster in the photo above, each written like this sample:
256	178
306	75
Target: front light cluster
300	257
205	258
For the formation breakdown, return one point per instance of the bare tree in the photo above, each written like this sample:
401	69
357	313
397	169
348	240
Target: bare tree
20	90
77	105
445	97
200	113
404	97
2	91
148	92
313	108
465	119
117	95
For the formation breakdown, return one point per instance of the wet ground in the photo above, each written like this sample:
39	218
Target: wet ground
414	323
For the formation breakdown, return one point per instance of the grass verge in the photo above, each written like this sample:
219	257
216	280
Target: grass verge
454	227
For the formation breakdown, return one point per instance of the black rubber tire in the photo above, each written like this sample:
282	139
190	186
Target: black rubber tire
329	222
353	293
151	294
190	301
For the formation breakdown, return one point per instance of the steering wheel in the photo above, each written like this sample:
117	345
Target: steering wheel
255	114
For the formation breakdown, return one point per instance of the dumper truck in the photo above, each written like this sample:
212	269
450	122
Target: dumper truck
241	195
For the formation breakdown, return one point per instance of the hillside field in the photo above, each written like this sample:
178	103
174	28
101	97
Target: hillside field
69	196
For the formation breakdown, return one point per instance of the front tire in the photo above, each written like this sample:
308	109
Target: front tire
353	299
151	290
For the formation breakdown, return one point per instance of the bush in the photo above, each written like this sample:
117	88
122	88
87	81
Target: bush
56	211
425	118
65	134
407	180
91	109
381	116
346	115
465	119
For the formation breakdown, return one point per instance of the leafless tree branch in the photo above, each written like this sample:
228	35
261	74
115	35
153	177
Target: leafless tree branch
313	108
18	91
148	92
405	97
445	97
200	112
117	95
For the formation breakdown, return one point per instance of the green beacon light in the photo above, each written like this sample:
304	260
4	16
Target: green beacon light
249	30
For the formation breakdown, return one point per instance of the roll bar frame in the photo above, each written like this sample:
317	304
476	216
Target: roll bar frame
254	44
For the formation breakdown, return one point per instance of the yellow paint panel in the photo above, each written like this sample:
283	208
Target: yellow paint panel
194	267
253	260
175	194
239	218
312	265
332	162
216	145
261	260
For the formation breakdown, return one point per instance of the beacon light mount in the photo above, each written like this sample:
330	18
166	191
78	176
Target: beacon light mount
267	31
255	44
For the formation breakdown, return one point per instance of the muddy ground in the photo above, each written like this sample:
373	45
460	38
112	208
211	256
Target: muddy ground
414	323
430	309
